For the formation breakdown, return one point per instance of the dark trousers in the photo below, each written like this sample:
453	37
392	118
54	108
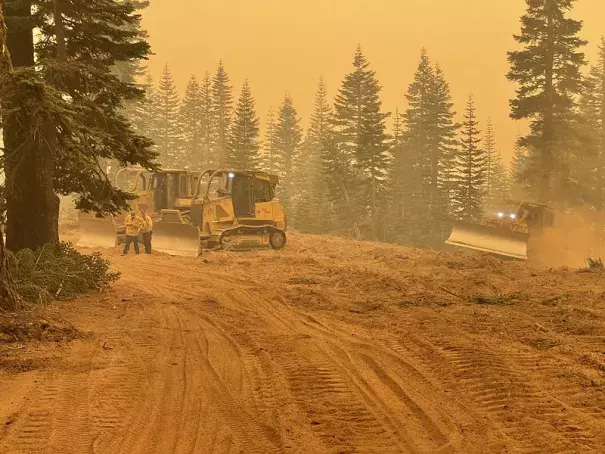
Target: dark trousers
147	241
134	240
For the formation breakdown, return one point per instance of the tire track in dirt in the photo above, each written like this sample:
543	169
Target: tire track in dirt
583	401
511	401
338	414
32	430
353	422
71	430
253	436
369	400
211	349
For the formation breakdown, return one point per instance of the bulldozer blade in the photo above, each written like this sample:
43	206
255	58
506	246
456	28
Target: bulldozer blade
488	238
96	232
174	238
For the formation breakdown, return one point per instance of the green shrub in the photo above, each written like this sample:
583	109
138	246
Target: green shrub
58	271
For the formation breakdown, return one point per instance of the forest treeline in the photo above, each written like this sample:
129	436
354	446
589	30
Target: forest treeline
348	173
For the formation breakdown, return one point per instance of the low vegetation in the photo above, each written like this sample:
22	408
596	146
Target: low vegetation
58	271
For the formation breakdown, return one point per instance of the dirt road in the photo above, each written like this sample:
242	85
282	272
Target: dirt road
334	347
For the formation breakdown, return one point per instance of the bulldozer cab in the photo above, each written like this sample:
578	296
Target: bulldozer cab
245	189
535	216
168	187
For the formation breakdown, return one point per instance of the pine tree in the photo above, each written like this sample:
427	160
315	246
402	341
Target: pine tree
141	112
501	185
131	71
222	106
69	117
288	137
471	168
313	213
397	181
490	152
361	129
427	158
143	116
208	129
168	135
497	183
590	167
548	71
268	153
243	141
414	164
446	143
191	131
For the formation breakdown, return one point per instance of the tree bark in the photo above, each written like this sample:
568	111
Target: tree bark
32	205
9	300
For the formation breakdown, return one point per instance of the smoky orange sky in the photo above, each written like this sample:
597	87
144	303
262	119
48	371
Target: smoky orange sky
285	45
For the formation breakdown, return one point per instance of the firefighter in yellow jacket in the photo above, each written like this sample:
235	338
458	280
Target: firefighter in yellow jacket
133	224
146	230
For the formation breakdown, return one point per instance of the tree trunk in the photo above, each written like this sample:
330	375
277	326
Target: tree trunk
547	160
9	300
32	205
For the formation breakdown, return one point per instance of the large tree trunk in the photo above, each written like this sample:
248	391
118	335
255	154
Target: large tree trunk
32	205
9	299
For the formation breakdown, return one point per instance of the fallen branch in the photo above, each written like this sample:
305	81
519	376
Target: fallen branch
451	293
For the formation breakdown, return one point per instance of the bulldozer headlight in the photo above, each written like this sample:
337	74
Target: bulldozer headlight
231	175
513	216
500	215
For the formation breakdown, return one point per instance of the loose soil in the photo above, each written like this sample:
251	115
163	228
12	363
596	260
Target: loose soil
328	346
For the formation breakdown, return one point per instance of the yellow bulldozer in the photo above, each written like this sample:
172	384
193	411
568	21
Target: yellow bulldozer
214	209
506	234
166	189
230	209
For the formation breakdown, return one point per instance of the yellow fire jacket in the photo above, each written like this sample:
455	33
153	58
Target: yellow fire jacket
147	225
133	225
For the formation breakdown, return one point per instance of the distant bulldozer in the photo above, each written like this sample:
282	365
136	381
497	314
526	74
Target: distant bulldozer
506	234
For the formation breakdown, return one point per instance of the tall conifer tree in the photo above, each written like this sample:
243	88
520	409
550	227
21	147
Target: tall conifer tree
361	130
446	144
548	72
313	213
243	141
288	138
73	120
427	157
590	169
268	151
497	182
222	108
191	127
208	129
168	135
471	168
